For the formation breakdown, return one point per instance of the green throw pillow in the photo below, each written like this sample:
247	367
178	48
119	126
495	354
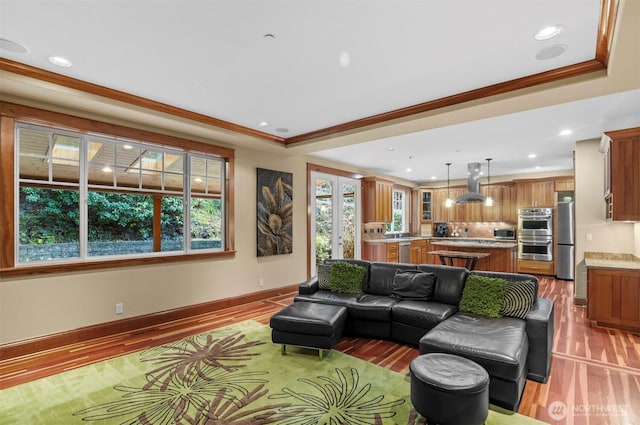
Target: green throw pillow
483	295
346	277
518	299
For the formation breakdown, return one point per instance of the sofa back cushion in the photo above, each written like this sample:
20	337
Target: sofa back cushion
381	277
413	285
449	282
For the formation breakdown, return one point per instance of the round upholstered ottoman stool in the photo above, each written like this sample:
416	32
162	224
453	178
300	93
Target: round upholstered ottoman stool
448	389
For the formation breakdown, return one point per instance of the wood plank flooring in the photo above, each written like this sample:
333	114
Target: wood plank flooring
595	373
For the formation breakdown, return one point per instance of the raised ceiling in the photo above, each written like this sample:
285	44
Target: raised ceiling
289	70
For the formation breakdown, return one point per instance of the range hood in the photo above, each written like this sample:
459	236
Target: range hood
473	185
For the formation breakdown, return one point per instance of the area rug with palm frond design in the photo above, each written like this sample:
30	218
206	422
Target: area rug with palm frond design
232	375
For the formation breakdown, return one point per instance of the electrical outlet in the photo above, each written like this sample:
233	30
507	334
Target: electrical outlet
119	308
261	282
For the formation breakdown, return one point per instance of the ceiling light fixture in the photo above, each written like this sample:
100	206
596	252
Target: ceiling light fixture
107	169
548	32
565	132
408	170
390	149
263	124
433	177
448	203
531	155
489	201
60	61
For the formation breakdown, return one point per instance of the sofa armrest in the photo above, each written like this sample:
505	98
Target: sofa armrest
309	286
540	331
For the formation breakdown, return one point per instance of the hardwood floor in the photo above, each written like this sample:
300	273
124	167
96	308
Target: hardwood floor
595	373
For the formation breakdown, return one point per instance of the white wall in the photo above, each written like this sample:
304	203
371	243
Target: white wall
31	307
605	236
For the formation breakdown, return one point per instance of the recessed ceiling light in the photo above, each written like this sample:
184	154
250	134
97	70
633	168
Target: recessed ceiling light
269	36
12	46
127	147
263	124
344	59
433	177
531	155
390	149
107	169
537	167
282	130
60	61
408	170
565	132
411	156
551	52
548	32
197	180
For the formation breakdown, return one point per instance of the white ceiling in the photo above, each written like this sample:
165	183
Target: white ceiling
331	62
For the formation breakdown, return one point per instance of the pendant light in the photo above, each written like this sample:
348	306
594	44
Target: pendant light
489	201
448	203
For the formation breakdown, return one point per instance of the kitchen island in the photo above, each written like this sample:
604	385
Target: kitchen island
502	256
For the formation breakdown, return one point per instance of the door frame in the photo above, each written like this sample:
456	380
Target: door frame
311	202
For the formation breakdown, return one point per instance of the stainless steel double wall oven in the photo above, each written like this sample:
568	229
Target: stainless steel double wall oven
535	234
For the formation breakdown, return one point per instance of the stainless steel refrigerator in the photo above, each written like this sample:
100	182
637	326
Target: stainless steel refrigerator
565	241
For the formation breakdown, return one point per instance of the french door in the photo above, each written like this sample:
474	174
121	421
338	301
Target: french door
335	218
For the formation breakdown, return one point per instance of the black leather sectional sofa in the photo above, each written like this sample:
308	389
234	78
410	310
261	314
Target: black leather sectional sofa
510	349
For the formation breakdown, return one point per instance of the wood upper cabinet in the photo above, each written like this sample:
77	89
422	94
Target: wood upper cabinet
564	185
377	200
535	193
455	211
426	206
613	297
440	213
494	212
509	203
622	175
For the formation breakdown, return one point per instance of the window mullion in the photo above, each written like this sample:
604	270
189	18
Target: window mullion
83	200
186	231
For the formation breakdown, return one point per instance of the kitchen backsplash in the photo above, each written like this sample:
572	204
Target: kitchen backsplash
374	230
475	229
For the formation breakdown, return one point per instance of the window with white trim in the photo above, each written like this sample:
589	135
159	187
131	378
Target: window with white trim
83	196
399	210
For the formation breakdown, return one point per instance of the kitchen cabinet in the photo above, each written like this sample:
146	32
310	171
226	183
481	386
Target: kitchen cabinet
380	251
426	206
509	202
472	211
622	175
564	185
613	297
536	267
456	211
440	212
377	196
494	212
535	193
418	253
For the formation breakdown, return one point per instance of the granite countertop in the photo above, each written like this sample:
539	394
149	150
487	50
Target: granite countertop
475	244
609	260
459	242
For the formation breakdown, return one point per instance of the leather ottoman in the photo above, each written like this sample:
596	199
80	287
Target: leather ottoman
448	389
307	324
